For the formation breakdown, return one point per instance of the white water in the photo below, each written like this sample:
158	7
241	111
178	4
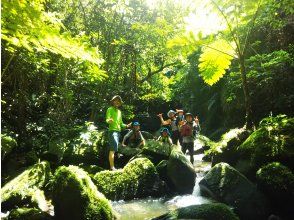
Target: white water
148	208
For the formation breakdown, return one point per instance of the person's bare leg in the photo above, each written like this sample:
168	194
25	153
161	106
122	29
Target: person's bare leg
111	159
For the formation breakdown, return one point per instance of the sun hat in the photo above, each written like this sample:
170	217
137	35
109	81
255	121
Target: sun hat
170	112
116	97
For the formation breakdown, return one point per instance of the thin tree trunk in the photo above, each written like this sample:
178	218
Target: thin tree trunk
249	121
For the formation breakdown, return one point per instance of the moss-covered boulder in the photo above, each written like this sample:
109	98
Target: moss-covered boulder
213	211
8	143
29	214
162	170
25	189
227	185
225	150
277	182
181	172
90	147
155	151
76	197
272	141
136	180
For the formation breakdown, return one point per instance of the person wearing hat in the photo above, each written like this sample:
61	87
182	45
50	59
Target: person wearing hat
165	136
188	132
134	137
171	122
179	122
114	120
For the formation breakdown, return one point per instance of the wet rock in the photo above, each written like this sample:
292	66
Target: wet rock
76	197
213	211
181	172
277	182
25	189
227	185
137	179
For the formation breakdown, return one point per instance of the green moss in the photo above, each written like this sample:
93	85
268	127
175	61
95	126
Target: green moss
277	181
25	188
7	145
76	197
213	211
28	214
135	180
273	141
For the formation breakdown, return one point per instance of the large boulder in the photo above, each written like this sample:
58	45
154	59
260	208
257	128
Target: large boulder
227	185
8	143
90	147
213	211
25	189
155	151
272	141
277	182
76	197
181	172
136	180
29	214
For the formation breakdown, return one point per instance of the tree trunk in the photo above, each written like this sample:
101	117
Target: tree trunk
249	121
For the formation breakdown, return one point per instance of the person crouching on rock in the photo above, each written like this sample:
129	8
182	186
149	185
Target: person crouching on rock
188	132
165	136
134	137
171	121
114	120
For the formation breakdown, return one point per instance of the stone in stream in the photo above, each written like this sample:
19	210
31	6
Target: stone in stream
137	179
28	214
213	211
181	172
76	197
227	185
25	189
155	151
277	182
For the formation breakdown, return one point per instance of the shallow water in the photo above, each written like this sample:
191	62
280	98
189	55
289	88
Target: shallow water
149	208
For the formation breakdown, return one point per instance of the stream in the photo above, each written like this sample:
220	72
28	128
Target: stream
150	207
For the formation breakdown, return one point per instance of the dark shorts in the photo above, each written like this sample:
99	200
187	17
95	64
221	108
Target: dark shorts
113	138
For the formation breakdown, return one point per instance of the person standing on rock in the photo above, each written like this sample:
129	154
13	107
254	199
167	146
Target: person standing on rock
172	122
188	132
114	120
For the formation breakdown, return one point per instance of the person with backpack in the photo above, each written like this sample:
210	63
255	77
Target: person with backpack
171	122
134	137
114	120
189	131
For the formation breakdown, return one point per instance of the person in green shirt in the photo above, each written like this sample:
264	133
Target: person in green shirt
114	120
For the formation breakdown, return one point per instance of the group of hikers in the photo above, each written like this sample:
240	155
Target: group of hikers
183	127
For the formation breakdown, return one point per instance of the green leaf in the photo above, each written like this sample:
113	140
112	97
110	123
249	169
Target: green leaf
215	60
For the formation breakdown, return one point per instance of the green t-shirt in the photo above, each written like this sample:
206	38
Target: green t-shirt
117	123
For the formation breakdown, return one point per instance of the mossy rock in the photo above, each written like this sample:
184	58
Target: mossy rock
136	180
226	184
8	143
181	172
213	211
272	141
28	214
129	152
277	182
162	170
91	169
225	150
155	151
25	189
147	135
76	197
89	148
